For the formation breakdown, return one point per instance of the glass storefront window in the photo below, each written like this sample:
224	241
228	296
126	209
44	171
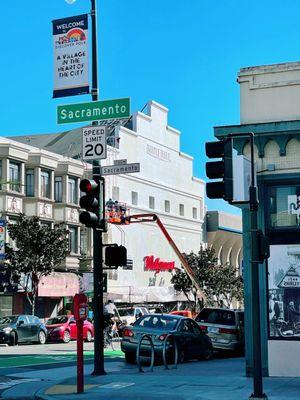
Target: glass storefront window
284	207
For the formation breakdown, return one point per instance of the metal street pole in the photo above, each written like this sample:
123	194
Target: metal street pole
97	234
254	239
256	333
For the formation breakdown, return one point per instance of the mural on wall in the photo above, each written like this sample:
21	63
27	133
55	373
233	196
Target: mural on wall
284	291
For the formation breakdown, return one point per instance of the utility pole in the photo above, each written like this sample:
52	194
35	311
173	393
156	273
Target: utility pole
97	234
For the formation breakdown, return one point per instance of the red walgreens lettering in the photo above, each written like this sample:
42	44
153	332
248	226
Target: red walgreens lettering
155	264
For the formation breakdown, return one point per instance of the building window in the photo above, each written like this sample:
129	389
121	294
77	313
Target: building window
83	242
151	202
14	176
195	213
46	223
73	239
58	189
167	206
134	198
181	209
72	190
115	193
29	188
45	184
284	207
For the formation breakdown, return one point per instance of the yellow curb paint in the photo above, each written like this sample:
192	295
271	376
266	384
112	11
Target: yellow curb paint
66	389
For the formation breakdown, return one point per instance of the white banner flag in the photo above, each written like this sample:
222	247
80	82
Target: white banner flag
70	56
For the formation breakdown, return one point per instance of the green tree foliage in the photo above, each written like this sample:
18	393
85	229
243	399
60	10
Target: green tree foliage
220	284
37	251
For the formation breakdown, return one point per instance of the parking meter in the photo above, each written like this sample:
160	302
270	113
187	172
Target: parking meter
80	307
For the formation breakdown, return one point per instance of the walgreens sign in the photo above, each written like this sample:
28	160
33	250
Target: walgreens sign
157	265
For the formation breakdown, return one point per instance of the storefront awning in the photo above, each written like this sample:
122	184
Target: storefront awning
58	284
149	294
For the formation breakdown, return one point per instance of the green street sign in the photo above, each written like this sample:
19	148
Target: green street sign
94	111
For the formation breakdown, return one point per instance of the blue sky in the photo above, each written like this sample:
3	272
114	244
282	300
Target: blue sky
183	54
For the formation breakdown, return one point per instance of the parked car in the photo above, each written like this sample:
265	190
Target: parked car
191	341
64	328
225	327
128	315
184	313
16	329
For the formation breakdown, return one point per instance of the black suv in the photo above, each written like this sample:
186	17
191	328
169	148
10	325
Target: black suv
16	329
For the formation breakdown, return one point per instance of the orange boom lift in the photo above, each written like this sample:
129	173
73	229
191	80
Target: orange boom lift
119	218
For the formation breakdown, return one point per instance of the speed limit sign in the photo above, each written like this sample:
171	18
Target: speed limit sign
94	143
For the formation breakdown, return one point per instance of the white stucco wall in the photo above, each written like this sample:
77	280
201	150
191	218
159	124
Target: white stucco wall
165	174
270	93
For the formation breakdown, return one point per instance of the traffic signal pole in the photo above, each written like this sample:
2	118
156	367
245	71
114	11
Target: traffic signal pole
256	333
97	234
255	256
224	189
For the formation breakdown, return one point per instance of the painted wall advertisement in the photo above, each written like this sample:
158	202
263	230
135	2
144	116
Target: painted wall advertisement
70	43
284	291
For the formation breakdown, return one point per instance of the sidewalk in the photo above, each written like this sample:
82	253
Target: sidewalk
214	380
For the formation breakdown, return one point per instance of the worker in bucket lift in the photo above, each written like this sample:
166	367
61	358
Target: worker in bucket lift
110	207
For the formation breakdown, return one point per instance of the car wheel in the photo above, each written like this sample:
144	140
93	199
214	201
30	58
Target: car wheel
13	340
89	336
66	337
208	354
42	337
130	358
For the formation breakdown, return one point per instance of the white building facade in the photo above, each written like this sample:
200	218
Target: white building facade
164	186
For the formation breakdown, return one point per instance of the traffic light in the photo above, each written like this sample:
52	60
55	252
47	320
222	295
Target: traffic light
220	169
93	202
115	256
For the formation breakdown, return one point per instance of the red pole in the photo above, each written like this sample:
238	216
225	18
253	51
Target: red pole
80	384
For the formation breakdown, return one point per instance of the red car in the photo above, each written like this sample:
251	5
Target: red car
64	328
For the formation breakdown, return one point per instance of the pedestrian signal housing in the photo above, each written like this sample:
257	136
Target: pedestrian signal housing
115	256
220	169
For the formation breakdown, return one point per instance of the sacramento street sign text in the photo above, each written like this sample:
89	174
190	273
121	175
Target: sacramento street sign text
94	111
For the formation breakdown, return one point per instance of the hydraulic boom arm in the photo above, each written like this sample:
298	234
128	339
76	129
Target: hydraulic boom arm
154	218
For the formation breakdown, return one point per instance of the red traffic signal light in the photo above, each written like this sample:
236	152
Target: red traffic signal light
93	203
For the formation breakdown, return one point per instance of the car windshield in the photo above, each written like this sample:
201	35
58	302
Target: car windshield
157	322
57	320
123	312
215	316
8	319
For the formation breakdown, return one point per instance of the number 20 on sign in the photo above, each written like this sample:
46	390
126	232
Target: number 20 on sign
94	143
